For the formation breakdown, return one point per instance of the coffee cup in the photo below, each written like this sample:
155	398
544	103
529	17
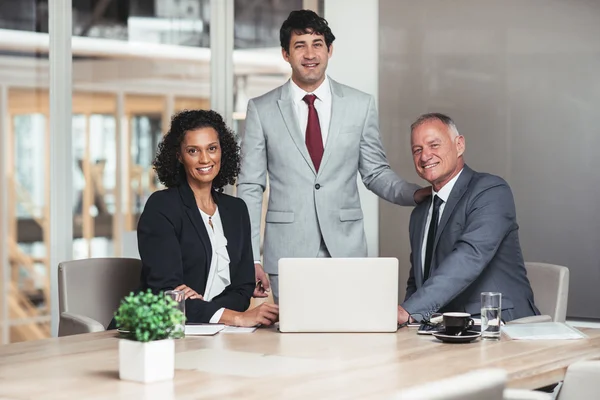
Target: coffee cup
456	323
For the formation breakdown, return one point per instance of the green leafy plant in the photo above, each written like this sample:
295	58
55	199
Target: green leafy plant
148	316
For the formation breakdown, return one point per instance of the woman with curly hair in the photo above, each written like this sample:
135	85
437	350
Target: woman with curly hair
192	236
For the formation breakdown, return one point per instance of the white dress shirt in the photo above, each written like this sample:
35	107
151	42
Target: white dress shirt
322	105
443	194
218	274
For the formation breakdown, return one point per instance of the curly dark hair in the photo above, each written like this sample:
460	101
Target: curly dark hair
166	164
301	22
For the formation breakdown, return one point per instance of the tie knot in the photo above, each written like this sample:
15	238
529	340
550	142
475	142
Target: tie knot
437	202
309	99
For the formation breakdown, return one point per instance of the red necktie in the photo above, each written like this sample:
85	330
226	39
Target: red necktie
314	140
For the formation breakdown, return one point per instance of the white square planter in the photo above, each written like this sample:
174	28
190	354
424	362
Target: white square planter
146	362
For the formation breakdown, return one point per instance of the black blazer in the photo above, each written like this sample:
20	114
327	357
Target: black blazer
175	249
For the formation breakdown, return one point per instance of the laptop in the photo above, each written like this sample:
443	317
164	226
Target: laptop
338	294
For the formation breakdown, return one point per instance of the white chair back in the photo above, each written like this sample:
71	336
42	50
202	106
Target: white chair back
485	384
129	245
90	291
550	284
582	381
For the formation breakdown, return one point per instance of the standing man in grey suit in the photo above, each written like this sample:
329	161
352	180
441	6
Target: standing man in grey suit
465	240
311	136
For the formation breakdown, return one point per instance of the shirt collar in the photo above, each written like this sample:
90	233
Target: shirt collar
444	192
323	92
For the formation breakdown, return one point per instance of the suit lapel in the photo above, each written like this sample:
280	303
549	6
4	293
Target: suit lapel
421	218
194	215
457	192
286	106
338	109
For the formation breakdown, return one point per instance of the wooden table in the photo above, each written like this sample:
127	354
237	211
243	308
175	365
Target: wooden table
268	364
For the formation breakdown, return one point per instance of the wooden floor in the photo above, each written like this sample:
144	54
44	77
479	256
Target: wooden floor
269	364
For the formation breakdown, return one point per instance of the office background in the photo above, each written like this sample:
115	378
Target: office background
522	81
520	78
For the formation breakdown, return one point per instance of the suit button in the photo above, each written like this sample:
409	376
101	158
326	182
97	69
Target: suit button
317	186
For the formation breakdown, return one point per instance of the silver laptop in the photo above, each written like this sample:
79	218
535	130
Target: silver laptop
338	294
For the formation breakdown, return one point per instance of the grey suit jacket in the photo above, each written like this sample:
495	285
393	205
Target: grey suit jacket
305	205
476	250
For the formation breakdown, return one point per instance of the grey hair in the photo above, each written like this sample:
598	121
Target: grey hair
444	119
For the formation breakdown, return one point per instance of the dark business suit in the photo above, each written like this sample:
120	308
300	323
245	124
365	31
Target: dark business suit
476	250
175	249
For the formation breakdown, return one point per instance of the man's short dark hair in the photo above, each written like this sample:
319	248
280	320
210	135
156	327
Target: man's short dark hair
302	22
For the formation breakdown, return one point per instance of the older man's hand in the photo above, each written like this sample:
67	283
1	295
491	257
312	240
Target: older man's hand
403	315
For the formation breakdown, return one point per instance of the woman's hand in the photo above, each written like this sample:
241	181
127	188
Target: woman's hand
264	314
189	292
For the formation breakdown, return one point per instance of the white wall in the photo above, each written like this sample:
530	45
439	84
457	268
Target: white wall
355	63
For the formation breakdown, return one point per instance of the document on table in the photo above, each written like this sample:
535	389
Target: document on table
542	331
238	329
203	329
213	329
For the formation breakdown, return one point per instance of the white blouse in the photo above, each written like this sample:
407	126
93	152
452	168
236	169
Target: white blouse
218	275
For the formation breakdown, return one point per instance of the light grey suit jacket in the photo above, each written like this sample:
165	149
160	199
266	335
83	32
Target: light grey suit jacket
305	205
476	250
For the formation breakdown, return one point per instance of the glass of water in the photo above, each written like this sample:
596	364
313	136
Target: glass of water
491	306
179	296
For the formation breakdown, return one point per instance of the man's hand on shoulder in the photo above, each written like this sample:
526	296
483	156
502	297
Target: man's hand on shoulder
422	194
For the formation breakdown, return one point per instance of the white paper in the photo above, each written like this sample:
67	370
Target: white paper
542	331
203	330
238	329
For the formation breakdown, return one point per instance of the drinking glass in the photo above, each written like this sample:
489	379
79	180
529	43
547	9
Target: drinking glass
179	297
491	307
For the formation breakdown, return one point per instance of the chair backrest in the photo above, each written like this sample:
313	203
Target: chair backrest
485	384
550	284
581	381
94	287
129	245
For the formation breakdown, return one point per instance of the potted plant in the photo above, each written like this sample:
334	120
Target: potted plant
147	353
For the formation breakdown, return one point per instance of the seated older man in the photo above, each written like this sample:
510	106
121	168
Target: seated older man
465	240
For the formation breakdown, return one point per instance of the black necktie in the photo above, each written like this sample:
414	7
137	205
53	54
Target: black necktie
437	202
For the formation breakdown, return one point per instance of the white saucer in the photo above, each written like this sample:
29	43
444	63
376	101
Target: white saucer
466	337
